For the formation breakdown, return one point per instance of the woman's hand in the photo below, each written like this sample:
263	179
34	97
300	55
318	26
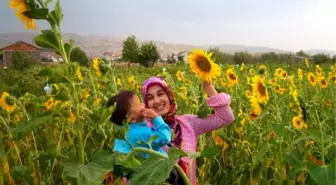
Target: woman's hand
209	89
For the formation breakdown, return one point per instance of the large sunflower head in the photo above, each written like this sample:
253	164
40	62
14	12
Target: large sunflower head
7	102
255	105
260	89
323	83
283	75
202	65
22	6
278	72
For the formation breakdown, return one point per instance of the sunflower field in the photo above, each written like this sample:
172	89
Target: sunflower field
59	133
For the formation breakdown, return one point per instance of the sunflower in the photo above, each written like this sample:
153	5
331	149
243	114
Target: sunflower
179	75
262	69
119	82
306	61
7	102
49	104
323	82
231	76
72	117
298	122
300	74
79	74
311	79
260	89
332	78
294	93
96	66
253	115
255	105
86	93
131	81
222	83
251	72
278	72
281	91
202	65
273	81
21	8
283	75
242	67
248	93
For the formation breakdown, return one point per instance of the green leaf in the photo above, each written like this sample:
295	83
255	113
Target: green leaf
279	130
294	158
37	13
104	159
210	152
47	39
68	47
261	153
315	134
323	175
70	168
23	174
299	139
45	72
30	125
56	14
129	162
151	139
63	96
156	170
56	78
91	173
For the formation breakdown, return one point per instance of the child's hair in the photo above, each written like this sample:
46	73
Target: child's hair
122	100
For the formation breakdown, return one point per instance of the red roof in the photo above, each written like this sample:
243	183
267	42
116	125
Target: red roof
21	46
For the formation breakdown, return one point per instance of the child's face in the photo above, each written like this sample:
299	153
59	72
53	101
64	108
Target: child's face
134	112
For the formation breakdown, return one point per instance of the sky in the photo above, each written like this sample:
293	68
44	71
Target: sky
282	24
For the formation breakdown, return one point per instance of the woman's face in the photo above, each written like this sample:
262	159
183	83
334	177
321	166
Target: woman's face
158	100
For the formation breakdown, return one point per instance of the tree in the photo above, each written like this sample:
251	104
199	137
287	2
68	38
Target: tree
242	57
78	55
321	58
21	60
130	50
148	55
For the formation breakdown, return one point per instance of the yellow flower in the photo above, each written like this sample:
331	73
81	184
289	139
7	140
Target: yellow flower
298	122
119	82
311	79
17	117
323	82
273	81
242	67
294	93
255	105
243	122
86	93
251	71
306	62
131	81
247	93
309	143
332	78
300	74
262	69
97	101
72	117
7	102
278	72
79	74
283	75
202	65
49	104
281	90
259	89
222	83
231	76
253	115
179	75
21	8
96	66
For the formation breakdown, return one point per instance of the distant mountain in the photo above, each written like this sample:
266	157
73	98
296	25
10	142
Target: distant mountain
96	45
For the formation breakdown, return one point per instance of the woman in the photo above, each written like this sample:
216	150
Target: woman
187	128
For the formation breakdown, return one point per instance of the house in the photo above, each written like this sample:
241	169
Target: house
7	52
111	56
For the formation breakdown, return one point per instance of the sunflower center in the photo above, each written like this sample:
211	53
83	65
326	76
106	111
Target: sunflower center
298	122
323	82
232	76
312	79
203	64
262	89
284	74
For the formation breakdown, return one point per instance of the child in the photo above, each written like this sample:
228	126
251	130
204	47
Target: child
128	105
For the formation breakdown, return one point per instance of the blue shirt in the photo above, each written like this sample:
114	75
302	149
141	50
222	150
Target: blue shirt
140	132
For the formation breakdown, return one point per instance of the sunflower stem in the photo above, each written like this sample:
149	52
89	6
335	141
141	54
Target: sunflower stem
322	139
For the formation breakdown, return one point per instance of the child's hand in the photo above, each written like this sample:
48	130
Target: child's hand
149	113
